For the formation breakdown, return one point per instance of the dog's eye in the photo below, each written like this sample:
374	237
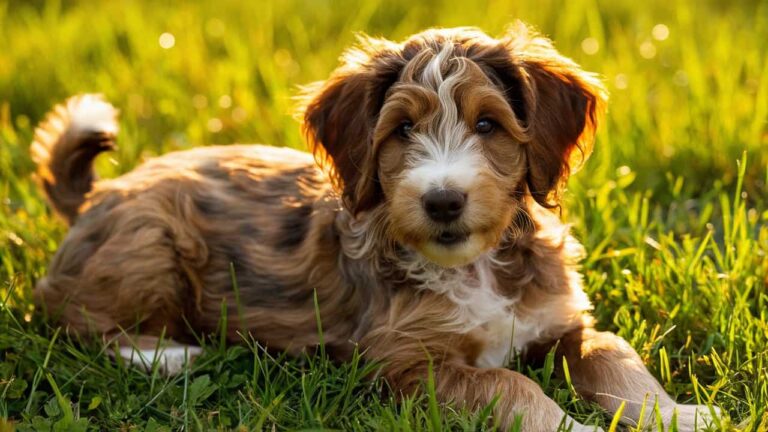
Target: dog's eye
484	126
404	130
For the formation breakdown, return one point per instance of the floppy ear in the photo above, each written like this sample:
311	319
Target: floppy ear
340	115
562	106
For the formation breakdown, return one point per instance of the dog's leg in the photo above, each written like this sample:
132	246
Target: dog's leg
514	394
121	269
418	330
517	396
406	349
606	369
147	352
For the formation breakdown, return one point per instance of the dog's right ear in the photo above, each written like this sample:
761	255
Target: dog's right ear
339	116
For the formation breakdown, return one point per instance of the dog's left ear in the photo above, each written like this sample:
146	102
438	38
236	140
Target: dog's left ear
561	105
339	116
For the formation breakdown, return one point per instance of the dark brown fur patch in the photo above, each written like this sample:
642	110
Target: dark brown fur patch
294	229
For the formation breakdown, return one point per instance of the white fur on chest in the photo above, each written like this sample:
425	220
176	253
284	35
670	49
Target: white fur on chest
505	337
481	310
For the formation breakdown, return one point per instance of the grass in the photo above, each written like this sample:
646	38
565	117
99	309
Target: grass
672	207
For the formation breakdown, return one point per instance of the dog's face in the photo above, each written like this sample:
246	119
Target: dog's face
449	132
449	158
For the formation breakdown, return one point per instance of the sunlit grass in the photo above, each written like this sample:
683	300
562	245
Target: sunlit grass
676	242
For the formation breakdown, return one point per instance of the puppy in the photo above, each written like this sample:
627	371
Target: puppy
421	230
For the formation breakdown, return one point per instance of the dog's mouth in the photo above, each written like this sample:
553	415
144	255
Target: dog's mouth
450	238
452	247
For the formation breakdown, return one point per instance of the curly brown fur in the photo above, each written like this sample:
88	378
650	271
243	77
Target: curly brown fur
430	243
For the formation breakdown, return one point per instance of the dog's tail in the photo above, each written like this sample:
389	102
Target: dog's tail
64	147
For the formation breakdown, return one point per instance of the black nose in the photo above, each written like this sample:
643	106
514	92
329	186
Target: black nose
443	205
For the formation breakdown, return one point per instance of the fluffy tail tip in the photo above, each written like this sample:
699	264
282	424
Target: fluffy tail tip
90	112
79	115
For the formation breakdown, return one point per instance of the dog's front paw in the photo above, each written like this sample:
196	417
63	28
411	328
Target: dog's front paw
691	418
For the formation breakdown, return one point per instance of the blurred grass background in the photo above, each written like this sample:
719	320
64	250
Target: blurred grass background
677	238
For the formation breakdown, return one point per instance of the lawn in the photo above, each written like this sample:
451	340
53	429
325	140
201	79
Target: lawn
672	207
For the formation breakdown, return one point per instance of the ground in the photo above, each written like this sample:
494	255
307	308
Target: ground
672	207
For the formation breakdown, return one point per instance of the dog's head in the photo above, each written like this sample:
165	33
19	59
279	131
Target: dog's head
448	132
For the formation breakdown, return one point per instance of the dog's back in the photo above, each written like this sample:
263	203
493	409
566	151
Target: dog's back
171	238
